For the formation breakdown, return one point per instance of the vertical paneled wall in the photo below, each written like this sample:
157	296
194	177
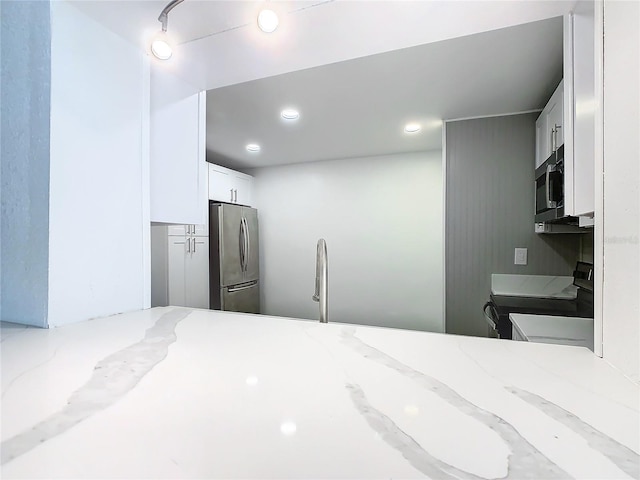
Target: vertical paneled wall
489	209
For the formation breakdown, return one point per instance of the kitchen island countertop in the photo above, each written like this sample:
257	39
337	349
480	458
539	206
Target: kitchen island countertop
186	393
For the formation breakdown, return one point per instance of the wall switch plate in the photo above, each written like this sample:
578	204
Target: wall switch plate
520	256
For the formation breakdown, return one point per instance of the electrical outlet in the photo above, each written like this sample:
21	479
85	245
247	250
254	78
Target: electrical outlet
520	256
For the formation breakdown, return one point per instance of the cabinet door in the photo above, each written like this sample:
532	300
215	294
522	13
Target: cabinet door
584	132
542	140
220	184
177	148
197	273
242	187
555	120
176	271
200	230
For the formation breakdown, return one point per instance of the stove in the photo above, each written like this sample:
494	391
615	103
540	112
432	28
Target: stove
498	308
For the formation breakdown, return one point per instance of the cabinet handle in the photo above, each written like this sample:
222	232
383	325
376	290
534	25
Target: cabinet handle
231	192
555	135
188	245
552	141
235	196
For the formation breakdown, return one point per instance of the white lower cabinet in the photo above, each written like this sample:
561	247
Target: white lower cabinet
188	271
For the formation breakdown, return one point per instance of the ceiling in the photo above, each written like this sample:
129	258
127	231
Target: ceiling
359	107
189	21
356	70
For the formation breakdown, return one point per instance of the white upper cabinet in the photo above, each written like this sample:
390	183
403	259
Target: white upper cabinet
584	103
242	189
555	119
550	126
178	171
569	117
220	184
226	185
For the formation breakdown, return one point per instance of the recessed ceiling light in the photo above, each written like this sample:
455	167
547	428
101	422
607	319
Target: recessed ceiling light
290	114
253	147
268	21
412	128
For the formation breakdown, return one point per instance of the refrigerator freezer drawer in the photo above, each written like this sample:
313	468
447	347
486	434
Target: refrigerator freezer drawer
244	297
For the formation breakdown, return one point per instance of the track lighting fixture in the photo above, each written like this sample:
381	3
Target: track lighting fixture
161	44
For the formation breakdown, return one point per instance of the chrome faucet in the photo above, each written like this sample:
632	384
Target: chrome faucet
321	280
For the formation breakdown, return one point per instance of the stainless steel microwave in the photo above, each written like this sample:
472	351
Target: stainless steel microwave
549	184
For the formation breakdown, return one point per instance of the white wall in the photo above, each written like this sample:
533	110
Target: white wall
382	220
24	100
621	307
97	210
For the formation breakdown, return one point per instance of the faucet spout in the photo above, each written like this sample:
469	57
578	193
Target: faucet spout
320	294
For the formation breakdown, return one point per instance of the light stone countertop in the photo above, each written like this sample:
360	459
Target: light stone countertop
576	331
538	286
184	393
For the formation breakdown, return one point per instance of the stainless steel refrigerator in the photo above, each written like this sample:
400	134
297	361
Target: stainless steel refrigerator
233	255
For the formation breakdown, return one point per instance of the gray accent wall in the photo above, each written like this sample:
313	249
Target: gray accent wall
489	208
25	99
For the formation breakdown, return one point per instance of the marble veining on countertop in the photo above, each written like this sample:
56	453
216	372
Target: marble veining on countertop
537	286
186	393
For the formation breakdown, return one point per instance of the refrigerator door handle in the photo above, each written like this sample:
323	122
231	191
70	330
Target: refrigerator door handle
248	240
241	245
246	244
